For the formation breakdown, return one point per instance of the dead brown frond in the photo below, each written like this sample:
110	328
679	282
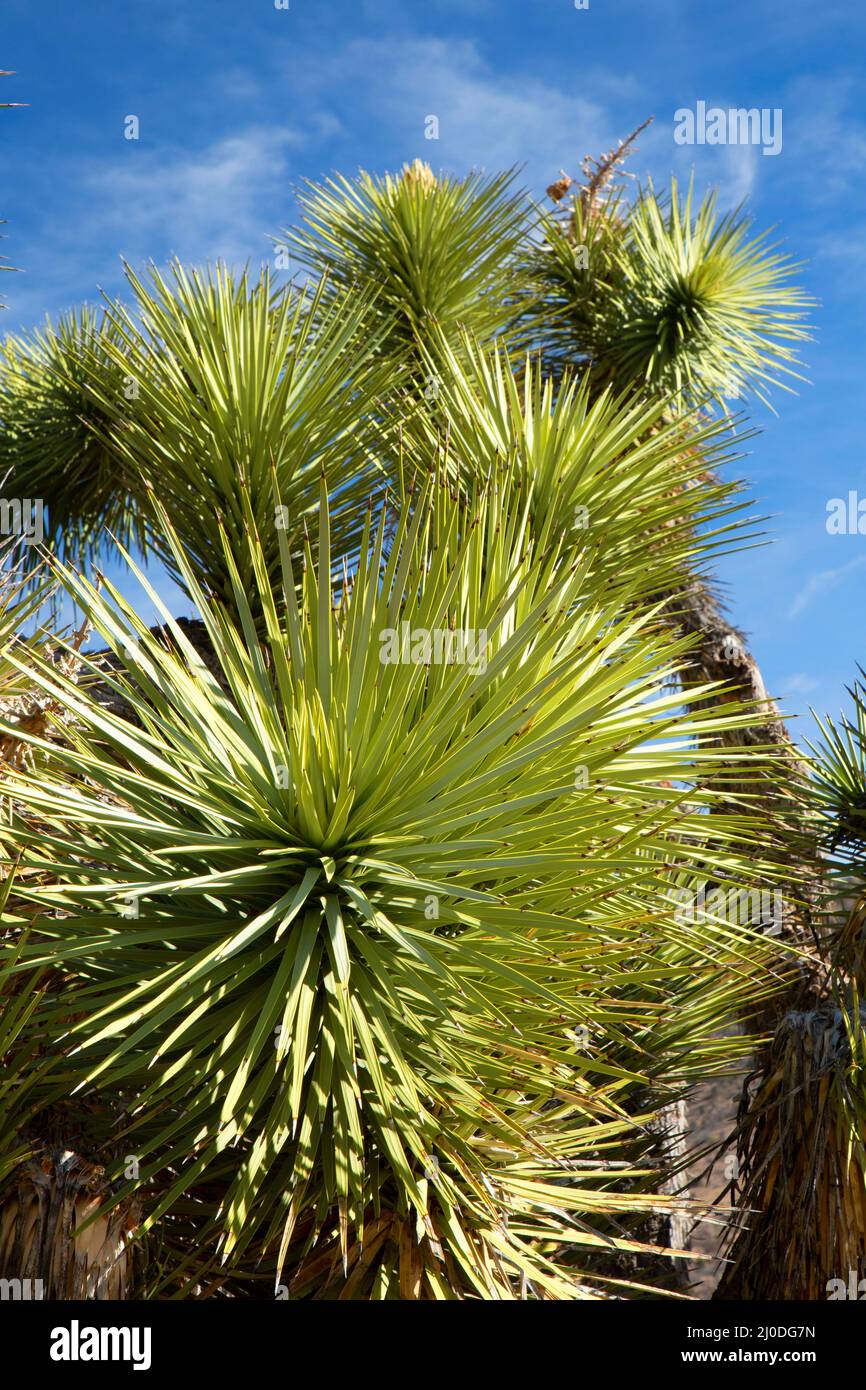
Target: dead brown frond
801	1180
41	1238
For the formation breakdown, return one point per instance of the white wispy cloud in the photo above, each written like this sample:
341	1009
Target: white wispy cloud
800	683
487	119
197	204
825	135
219	201
820	584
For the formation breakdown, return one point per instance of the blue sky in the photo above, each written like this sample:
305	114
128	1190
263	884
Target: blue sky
238	102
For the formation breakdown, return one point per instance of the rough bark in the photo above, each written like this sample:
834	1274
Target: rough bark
43	1248
773	784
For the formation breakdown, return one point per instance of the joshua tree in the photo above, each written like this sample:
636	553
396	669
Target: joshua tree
356	926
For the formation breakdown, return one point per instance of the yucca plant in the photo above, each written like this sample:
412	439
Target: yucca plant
839	781
655	298
602	471
57	445
352	935
238	386
20	1056
441	251
23	592
20	601
663	297
57	1233
359	957
49	1189
668	302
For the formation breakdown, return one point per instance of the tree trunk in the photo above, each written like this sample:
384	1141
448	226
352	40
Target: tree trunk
44	1253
